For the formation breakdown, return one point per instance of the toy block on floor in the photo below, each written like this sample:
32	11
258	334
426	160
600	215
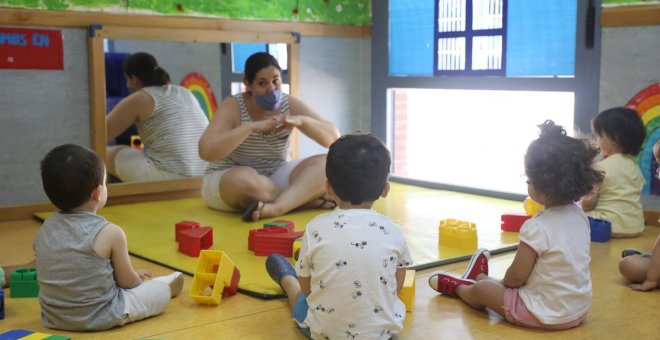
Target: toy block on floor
601	230
286	224
184	225
215	271
15	334
532	208
193	241
267	241
513	221
23	283
295	248
2	304
458	234
407	293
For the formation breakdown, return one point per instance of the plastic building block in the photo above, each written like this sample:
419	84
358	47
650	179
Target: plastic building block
601	230
2	304
15	334
513	221
215	271
458	234
267	241
295	248
24	283
286	224
184	225
532	208
192	241
58	337
37	336
407	293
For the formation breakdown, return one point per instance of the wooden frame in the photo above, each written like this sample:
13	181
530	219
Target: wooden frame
642	15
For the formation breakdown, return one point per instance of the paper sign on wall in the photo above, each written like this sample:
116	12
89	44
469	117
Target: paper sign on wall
35	49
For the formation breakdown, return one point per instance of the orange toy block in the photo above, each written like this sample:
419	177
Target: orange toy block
513	221
215	272
192	241
458	234
407	293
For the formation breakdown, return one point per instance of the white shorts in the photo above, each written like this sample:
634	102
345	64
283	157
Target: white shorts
211	185
132	165
148	299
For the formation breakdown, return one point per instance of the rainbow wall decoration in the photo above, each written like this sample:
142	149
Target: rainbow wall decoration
647	104
201	89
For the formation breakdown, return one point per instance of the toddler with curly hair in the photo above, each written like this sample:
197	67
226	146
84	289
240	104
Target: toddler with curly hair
548	285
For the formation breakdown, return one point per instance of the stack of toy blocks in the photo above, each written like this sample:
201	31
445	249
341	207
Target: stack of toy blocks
275	237
513	221
192	238
30	335
601	230
458	234
407	293
215	271
23	283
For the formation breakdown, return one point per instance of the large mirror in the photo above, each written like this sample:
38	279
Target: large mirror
189	56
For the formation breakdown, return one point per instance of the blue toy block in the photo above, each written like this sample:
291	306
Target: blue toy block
601	230
2	304
23	283
15	334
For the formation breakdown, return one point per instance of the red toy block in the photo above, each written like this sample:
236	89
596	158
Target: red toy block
192	241
513	221
267	241
232	289
184	225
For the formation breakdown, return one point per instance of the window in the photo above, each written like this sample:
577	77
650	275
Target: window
466	82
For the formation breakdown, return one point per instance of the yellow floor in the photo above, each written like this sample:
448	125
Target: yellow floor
149	227
616	312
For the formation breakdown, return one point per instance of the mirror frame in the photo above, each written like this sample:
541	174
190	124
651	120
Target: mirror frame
120	193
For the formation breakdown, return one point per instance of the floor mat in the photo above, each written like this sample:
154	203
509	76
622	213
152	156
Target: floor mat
149	228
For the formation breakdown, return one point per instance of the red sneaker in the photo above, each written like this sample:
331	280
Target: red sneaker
478	264
446	284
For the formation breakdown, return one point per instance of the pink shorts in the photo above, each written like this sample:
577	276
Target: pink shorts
516	313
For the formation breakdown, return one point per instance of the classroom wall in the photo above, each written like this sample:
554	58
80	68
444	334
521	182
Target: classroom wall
629	63
335	81
40	109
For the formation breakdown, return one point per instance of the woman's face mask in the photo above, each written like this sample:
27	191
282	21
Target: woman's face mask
269	101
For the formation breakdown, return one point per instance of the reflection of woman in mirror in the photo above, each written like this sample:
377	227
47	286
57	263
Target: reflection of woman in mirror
248	145
170	122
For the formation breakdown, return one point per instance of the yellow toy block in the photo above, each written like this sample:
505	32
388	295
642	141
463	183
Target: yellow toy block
295	248
407	293
215	273
458	234
532	208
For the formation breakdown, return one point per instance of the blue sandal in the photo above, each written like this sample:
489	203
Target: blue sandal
278	267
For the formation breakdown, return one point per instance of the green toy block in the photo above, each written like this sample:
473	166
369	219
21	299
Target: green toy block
58	337
24	283
275	224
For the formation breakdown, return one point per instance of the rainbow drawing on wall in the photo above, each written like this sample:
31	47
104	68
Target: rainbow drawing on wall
647	104
201	89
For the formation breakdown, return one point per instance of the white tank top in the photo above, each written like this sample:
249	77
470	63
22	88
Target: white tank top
172	131
263	152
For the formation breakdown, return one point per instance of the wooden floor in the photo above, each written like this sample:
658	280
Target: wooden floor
616	313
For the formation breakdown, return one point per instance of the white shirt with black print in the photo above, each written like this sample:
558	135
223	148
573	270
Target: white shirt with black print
352	257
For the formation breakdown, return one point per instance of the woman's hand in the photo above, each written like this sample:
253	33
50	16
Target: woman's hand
294	121
266	125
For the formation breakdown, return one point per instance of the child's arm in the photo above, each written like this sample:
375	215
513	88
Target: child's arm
111	243
305	284
653	271
588	202
400	278
521	266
